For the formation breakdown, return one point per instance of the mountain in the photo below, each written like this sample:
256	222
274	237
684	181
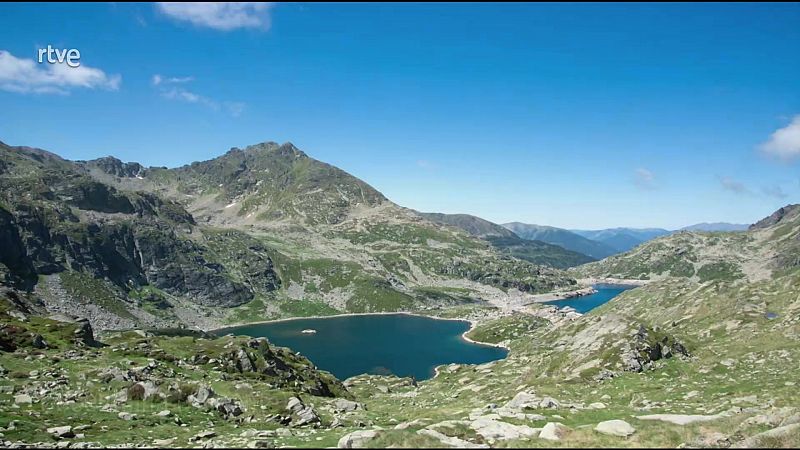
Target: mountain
697	359
622	239
771	244
561	237
257	233
537	252
783	216
716	226
471	224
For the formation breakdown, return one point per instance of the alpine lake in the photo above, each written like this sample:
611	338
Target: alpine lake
404	345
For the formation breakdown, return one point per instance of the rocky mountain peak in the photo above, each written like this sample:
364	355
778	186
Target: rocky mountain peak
271	147
114	166
785	213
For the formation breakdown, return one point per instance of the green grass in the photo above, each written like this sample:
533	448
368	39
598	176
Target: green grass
724	271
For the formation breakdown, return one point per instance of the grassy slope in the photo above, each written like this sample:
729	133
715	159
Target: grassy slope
742	333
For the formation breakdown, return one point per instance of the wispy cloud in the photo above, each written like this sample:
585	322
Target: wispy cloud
644	179
784	143
158	79
224	16
186	96
173	88
732	185
27	76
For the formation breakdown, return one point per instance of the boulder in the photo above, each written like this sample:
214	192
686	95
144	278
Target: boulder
84	333
357	439
295	405
201	396
203	435
495	430
549	402
790	420
142	390
450	441
554	431
244	362
226	407
762	439
615	427
23	399
344	405
306	416
523	400
37	341
64	432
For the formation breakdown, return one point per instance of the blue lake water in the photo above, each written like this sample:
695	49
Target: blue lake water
589	302
397	344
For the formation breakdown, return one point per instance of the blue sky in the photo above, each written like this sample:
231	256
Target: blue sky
572	115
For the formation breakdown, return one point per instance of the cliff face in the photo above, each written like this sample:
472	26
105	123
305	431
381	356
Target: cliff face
54	217
786	213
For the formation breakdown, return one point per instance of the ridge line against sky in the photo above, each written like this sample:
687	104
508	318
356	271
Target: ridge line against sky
570	115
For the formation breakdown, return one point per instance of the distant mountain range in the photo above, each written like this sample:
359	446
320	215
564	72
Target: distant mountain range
606	242
537	251
622	239
561	237
716	226
558	247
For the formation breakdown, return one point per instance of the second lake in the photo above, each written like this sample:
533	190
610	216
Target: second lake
587	303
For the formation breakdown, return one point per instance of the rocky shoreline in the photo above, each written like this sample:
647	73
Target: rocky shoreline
473	323
621	282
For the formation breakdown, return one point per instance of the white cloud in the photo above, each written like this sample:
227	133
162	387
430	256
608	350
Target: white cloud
172	88
187	96
27	76
644	179
223	16
158	79
784	143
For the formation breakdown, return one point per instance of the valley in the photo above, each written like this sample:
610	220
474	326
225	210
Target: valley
114	275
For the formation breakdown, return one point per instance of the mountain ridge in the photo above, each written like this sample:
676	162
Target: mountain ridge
715	226
561	237
259	233
655	361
